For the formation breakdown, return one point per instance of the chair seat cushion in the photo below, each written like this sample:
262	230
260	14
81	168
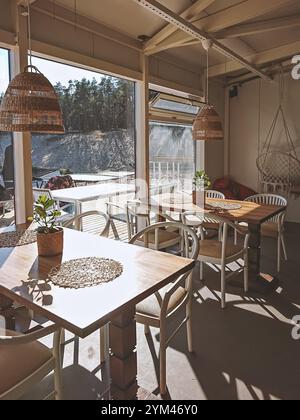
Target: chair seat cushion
213	249
151	307
164	236
211	225
17	362
269	229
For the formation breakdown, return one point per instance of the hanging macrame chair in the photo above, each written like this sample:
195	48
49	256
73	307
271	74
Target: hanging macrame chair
279	170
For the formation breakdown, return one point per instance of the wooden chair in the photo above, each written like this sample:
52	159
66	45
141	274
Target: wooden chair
65	216
221	253
159	308
24	361
273	228
158	240
116	213
77	223
209	224
95	222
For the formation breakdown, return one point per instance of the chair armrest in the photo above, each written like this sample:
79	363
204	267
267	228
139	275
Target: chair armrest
29	338
172	289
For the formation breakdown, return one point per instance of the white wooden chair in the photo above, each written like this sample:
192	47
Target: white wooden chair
274	228
116	213
157	310
222	253
95	222
158	240
78	223
214	195
65	216
209	223
24	362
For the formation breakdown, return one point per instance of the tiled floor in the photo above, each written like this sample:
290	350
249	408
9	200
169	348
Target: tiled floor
243	352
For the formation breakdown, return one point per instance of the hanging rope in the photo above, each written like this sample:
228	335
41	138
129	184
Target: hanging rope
278	168
29	33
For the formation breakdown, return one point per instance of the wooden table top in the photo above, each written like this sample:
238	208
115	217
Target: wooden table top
23	278
251	213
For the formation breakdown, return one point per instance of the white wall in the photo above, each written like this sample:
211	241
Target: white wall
214	151
244	143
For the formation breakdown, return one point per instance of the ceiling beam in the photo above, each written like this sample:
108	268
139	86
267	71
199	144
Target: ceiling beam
168	30
284	66
194	32
259	27
246	10
25	2
268	56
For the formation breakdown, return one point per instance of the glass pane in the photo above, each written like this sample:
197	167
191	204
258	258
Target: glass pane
98	147
172	157
6	154
173	106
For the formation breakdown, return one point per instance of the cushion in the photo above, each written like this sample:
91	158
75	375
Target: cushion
163	236
229	195
18	361
269	230
151	307
213	249
222	184
245	192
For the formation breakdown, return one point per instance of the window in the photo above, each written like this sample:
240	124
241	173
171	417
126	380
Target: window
6	153
98	147
98	113
172	156
172	149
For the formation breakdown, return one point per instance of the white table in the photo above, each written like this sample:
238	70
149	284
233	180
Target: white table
93	178
79	195
2	183
118	174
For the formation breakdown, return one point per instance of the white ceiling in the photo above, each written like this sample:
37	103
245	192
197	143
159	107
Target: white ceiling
129	18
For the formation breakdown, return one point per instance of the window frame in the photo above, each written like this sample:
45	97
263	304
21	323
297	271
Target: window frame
104	74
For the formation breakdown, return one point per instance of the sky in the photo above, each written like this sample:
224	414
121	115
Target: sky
4	70
55	72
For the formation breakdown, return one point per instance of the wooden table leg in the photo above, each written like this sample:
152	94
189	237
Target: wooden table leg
258	282
123	359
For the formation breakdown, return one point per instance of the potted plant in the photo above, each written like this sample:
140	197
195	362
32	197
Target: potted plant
201	183
49	235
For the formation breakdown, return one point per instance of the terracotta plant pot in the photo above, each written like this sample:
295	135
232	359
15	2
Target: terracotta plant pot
50	244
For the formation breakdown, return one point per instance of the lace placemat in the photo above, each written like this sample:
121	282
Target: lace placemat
224	206
85	272
20	238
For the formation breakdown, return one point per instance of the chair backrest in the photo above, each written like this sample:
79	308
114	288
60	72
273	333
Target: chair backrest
270	200
214	194
203	216
136	210
188	234
95	222
190	250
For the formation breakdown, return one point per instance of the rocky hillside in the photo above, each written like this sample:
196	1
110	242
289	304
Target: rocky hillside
90	152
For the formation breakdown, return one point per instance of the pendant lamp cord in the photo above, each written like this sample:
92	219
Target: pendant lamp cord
29	33
207	76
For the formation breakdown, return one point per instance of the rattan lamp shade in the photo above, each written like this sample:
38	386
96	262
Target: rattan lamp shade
31	104
208	125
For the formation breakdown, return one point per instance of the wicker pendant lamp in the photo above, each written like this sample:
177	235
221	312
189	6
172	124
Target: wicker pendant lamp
208	125
30	102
